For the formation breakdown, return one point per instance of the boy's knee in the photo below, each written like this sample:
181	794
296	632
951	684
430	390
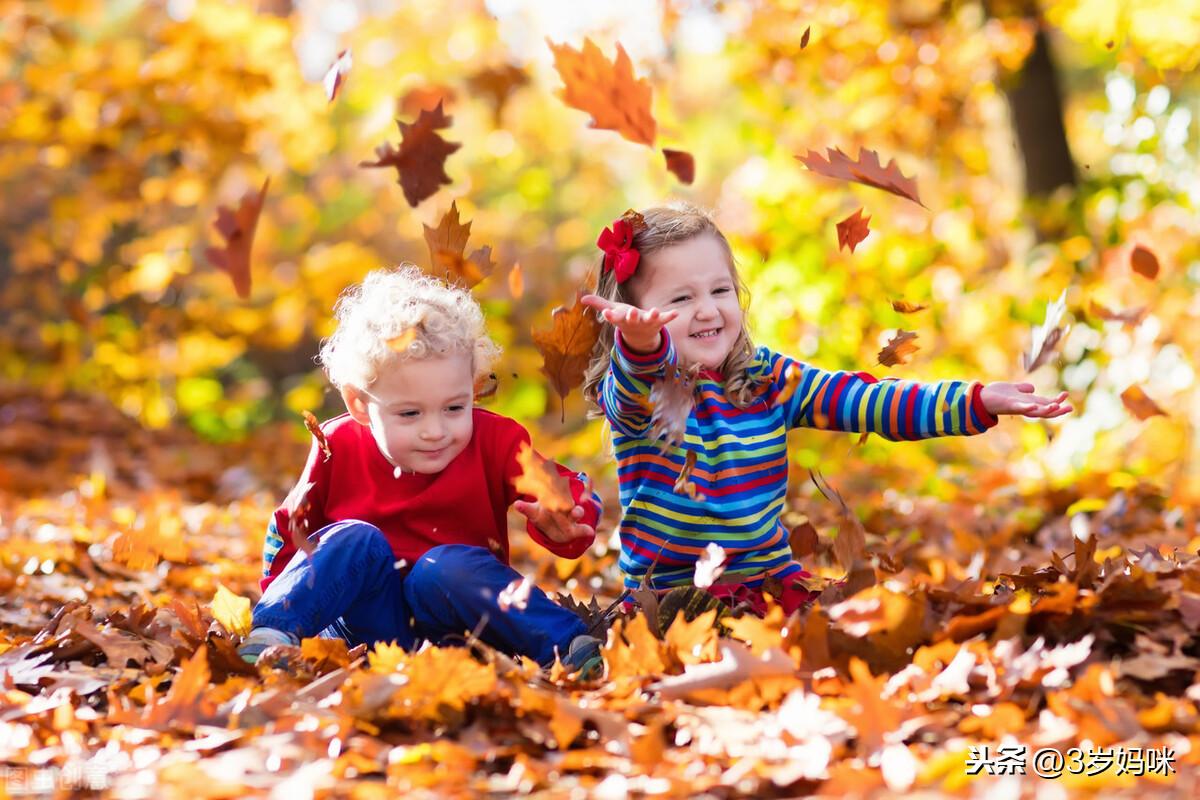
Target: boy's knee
449	565
356	535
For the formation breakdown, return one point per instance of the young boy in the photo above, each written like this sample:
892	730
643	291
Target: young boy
408	509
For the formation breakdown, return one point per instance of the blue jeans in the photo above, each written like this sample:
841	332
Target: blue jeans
349	587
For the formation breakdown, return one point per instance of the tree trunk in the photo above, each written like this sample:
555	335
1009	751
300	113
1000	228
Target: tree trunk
1037	111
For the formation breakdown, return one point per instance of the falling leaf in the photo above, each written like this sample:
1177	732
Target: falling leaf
447	243
1140	404
231	610
684	483
852	230
516	281
681	164
425	98
398	344
899	348
709	566
567	346
486	386
1144	262
515	595
791	380
1047	335
672	398
337	74
866	170
803	539
540	480
421	157
314	428
904	307
498	84
606	89
804	37
851	542
237	228
1130	316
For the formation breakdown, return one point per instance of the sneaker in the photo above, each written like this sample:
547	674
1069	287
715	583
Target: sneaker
583	657
260	639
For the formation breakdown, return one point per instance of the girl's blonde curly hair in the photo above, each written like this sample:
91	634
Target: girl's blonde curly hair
665	226
401	314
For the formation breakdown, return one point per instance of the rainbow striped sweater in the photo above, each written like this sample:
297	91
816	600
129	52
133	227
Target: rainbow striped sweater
741	468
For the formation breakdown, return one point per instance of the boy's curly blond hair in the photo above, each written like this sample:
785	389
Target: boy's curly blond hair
401	314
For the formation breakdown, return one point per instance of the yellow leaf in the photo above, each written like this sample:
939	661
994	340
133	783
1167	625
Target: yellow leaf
231	610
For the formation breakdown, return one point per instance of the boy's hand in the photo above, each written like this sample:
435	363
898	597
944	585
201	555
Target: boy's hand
639	328
557	526
1002	397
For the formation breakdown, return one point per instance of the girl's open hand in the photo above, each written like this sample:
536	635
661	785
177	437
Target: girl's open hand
639	328
1002	397
557	526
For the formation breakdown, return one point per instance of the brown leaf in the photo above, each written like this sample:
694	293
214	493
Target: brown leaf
684	484
672	399
1047	335
337	74
567	347
607	90
1129	317
1140	404
420	160
1144	262
851	542
237	228
803	539
516	281
901	346
314	427
486	386
681	164
447	243
852	230
497	84
804	37
866	170
904	307
540	480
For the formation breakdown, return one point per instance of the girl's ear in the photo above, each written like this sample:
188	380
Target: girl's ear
356	404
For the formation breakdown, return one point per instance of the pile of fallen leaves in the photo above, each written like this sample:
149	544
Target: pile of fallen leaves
1064	619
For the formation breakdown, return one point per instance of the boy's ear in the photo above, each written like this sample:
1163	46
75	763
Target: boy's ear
356	404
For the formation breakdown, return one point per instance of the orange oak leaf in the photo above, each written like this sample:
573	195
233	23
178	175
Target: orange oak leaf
905	307
497	84
606	89
866	170
336	74
901	346
566	347
1144	262
681	164
540	480
314	427
852	230
516	281
1140	404
447	244
420	160
238	229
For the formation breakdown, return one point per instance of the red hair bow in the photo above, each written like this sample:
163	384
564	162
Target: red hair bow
620	256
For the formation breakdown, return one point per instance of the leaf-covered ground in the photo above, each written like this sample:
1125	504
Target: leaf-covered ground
1065	619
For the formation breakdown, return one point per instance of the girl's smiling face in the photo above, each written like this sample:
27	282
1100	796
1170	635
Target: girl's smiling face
695	278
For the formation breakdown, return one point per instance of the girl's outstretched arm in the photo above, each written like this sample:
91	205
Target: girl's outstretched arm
641	350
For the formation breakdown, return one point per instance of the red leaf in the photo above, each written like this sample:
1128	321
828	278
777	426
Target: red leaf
1144	262
852	230
337	74
866	170
681	164
420	160
237	227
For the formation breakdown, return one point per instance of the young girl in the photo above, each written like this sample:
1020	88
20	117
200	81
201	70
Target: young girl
408	506
670	289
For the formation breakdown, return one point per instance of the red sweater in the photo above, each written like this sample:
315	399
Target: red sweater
465	503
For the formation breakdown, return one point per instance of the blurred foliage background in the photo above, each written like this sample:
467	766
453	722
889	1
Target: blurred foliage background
1047	137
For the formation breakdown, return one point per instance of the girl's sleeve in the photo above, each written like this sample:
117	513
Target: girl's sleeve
580	493
858	402
302	510
625	389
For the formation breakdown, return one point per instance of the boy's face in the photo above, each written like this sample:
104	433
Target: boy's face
694	278
419	411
